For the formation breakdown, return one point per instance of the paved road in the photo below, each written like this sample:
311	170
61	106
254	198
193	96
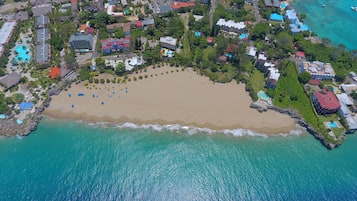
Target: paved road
6	7
256	11
211	12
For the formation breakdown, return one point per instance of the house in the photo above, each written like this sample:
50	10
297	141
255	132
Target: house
325	102
110	10
252	51
273	77
349	88
345	99
318	70
168	42
41	9
42	35
125	26
222	58
81	42
272	3
300	55
83	28
148	22
177	5
276	17
314	82
10	80
111	45
42	53
139	24
55	72
42	21
231	26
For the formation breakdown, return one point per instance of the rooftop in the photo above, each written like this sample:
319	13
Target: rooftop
231	24
327	99
5	31
41	9
10	80
54	73
178	5
42	53
168	40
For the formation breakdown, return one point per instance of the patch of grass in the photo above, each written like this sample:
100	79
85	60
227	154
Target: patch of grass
209	50
257	80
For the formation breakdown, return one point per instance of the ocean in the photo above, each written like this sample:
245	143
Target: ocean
65	160
336	21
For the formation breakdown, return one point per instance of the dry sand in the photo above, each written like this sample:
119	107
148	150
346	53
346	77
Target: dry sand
168	97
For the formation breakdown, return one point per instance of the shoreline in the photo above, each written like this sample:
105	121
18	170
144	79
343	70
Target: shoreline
180	97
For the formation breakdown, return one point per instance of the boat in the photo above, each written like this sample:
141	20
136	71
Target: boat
354	8
323	5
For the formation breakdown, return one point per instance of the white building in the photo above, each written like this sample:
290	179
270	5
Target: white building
231	26
318	70
168	42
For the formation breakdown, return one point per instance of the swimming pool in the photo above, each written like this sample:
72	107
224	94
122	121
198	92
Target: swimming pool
23	54
243	36
332	124
263	95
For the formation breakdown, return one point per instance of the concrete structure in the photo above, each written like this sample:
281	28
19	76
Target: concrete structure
318	70
252	51
348	88
345	99
325	102
81	42
168	42
294	22
231	26
41	9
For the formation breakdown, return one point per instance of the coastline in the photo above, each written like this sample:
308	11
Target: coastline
167	96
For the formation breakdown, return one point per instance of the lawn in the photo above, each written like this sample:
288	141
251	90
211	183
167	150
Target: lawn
257	80
289	93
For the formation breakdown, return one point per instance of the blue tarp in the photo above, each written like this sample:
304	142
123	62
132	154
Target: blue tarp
198	34
276	17
80	94
2	116
26	105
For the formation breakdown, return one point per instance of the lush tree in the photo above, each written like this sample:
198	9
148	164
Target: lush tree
17	98
304	77
84	74
119	33
56	41
101	20
120	69
71	61
259	31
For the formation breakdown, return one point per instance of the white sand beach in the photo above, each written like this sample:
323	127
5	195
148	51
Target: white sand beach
168	96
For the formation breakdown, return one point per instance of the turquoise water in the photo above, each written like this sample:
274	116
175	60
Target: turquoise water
263	95
70	161
243	36
23	55
332	124
335	21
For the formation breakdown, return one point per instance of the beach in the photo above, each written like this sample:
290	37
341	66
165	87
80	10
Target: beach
168	95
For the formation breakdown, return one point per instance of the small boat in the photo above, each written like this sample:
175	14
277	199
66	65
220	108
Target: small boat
354	8
323	5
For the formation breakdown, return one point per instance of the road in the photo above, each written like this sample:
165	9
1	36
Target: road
256	11
211	12
6	7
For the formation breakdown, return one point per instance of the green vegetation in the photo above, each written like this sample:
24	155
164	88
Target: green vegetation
255	83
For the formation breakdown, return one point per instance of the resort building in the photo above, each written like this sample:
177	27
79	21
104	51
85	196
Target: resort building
231	26
300	55
5	34
10	80
42	35
273	77
42	21
325	102
348	88
42	53
294	22
168	42
318	70
81	42
21	16
111	45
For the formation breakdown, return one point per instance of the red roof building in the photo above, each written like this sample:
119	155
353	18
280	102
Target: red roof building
300	55
314	82
222	58
178	5
55	72
231	48
90	30
139	24
210	40
325	102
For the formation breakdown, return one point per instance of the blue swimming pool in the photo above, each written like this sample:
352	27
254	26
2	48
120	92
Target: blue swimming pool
243	36
263	95
332	124
23	54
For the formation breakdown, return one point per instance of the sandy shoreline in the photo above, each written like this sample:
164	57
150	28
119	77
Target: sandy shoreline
168	96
